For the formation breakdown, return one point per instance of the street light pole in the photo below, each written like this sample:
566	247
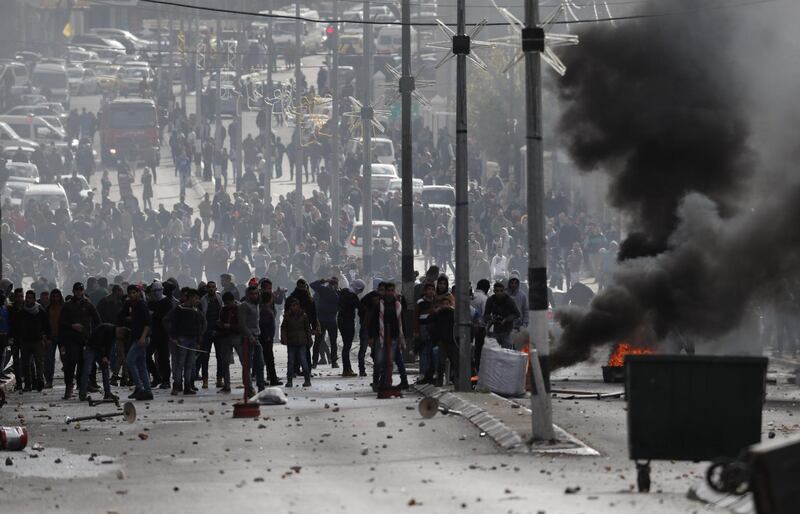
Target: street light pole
461	47
217	107
298	148
198	73
366	140
171	49
333	165
407	236
533	41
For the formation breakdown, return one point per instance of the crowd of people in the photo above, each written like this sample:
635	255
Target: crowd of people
162	334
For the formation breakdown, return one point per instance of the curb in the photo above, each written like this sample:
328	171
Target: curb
501	434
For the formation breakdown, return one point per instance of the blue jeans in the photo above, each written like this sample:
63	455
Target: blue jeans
137	366
183	362
380	364
89	359
503	339
427	366
297	353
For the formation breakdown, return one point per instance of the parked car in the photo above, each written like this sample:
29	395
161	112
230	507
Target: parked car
381	175
396	185
82	81
383	230
23	172
80	55
131	78
53	195
13	191
52	78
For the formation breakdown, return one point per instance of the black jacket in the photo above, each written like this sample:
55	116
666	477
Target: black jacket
349	306
505	309
102	340
28	326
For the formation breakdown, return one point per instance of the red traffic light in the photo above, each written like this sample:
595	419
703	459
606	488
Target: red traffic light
329	30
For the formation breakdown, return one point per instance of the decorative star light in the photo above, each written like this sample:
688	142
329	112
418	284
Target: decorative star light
359	113
395	90
551	40
314	111
473	44
569	7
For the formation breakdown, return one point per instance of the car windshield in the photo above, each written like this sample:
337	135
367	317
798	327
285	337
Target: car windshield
22	170
106	70
378	231
131	117
49	79
52	201
441	196
382	148
75	74
135	72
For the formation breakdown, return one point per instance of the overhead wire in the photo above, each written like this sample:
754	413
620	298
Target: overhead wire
279	16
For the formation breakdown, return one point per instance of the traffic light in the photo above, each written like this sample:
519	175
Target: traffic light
330	33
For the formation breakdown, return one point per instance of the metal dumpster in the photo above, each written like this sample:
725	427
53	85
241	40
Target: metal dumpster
692	407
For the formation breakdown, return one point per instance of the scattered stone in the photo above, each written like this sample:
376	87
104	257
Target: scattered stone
258	479
57	461
413	503
37	447
381	424
120	474
143	436
211	412
176	488
9	462
365	451
262	426
572	490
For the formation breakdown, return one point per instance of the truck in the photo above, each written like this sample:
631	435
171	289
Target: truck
129	131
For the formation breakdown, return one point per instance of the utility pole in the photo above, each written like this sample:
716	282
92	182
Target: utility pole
366	144
239	92
267	148
171	49
406	88
218	93
184	64
298	121
533	41
461	47
333	166
198	73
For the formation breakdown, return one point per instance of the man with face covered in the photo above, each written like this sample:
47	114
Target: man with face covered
501	312
521	301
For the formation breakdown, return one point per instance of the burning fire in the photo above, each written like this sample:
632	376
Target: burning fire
617	358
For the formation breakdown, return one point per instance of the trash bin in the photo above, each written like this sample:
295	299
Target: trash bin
692	408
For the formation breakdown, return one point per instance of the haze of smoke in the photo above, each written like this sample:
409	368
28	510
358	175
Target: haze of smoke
701	286
656	104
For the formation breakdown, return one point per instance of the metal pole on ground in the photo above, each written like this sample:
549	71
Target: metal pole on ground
463	319
533	40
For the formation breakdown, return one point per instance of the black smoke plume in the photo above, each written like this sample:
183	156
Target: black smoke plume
656	104
661	106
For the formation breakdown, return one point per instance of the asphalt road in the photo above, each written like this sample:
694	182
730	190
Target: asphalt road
333	448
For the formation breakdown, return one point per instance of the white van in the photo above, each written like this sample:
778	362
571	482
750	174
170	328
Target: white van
9	137
382	149
37	129
390	40
52	79
283	30
53	195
